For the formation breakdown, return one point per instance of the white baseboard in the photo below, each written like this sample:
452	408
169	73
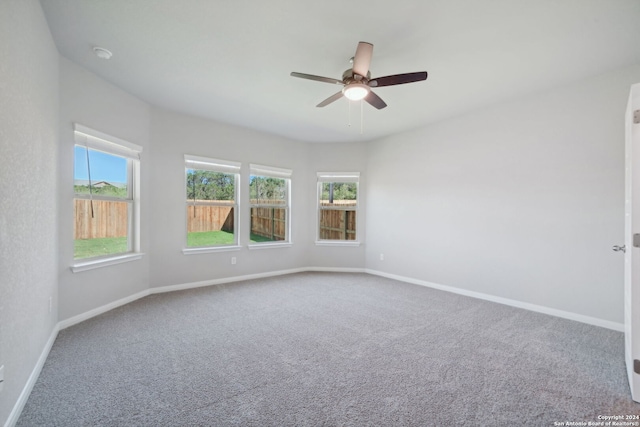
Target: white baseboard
99	310
336	269
35	373
223	280
513	303
191	285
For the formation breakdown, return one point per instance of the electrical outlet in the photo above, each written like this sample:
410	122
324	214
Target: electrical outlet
233	260
381	257
1	376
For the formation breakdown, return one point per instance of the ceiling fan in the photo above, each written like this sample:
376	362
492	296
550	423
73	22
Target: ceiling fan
357	81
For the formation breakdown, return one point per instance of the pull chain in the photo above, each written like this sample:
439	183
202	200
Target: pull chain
361	116
89	173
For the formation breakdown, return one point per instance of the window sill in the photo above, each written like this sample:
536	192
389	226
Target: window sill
337	243
211	249
104	262
269	245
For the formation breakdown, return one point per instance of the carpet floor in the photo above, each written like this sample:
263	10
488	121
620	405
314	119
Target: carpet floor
328	349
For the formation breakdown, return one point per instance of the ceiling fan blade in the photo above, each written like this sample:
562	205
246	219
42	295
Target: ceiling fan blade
398	79
375	100
362	59
317	78
330	99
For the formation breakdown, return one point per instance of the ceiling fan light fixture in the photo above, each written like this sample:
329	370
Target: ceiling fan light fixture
356	91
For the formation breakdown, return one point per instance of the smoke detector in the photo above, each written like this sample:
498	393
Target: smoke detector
102	53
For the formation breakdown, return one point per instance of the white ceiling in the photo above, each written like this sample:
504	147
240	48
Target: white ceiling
230	60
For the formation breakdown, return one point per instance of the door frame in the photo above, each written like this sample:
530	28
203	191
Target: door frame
632	253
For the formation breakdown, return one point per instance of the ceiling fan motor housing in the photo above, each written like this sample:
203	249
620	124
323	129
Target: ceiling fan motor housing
349	77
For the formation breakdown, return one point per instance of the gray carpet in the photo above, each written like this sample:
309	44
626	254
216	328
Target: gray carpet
327	349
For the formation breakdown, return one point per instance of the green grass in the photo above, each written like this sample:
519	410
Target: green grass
212	238
255	238
87	248
209	238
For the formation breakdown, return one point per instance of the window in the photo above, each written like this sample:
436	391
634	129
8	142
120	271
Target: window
106	171
269	192
337	206
212	202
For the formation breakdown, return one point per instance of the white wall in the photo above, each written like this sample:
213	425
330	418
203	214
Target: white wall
93	102
175	135
521	201
28	192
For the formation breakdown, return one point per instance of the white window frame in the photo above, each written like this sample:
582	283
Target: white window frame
99	141
324	177
213	165
272	172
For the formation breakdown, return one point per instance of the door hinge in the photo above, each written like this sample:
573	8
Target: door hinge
636	366
636	240
636	116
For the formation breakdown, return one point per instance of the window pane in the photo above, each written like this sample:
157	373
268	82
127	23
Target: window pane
339	194
103	234
337	225
268	224
267	190
211	186
210	226
108	173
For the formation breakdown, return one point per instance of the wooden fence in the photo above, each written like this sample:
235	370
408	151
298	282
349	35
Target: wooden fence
341	203
109	219
269	222
337	225
209	218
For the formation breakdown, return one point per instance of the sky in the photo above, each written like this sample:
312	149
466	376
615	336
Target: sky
104	167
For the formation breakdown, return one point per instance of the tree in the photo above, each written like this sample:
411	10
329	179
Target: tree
341	190
107	190
264	189
209	185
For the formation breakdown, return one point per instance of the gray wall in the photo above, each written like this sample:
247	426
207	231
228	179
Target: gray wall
339	157
520	201
28	192
93	102
175	135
